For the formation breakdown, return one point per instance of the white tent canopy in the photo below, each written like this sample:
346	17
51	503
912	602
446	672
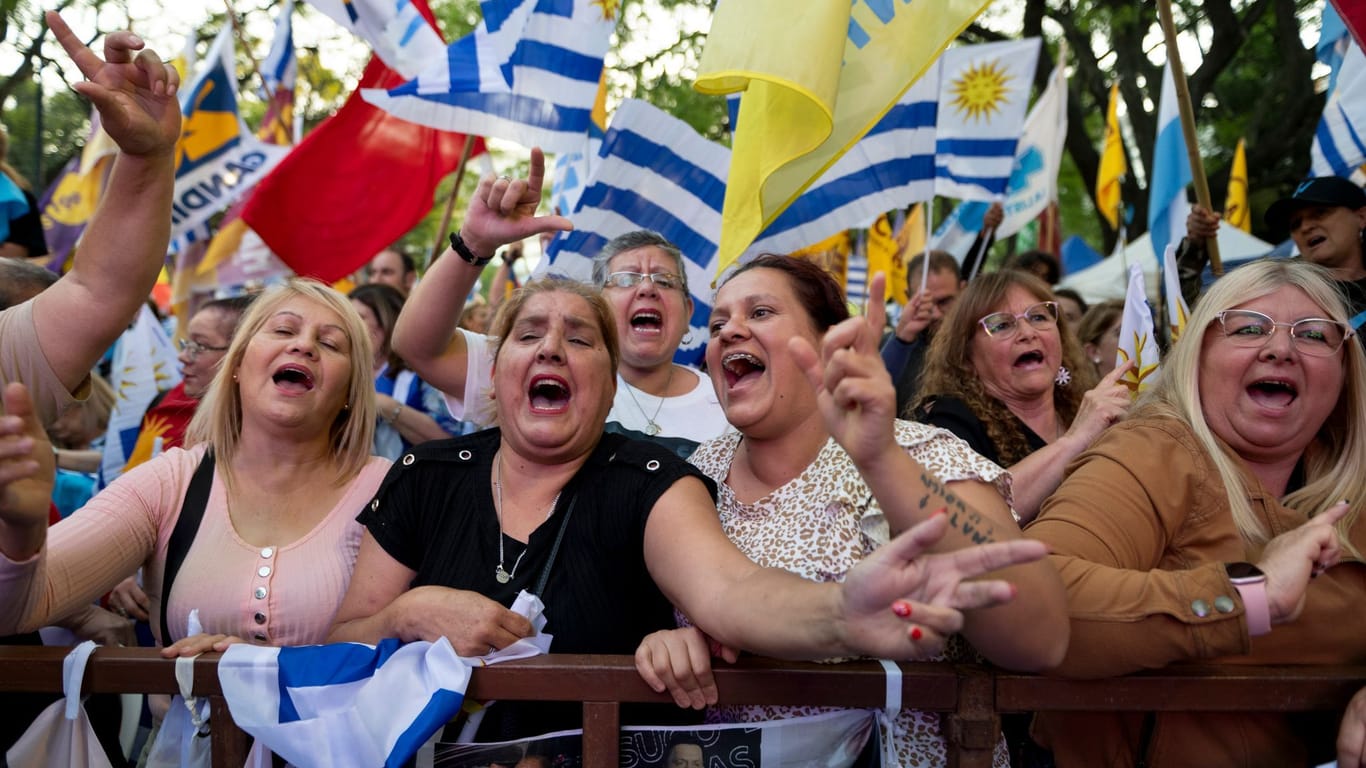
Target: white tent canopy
1109	278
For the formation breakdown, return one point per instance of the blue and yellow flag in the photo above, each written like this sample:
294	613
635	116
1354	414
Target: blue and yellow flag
813	86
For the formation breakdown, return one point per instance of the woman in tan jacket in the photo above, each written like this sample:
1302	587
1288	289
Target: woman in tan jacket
1239	455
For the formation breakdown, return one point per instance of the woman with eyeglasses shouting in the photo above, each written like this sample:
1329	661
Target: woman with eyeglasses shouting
1003	375
1209	525
642	276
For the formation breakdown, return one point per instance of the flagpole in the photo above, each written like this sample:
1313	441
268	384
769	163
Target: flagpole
1183	102
437	248
242	38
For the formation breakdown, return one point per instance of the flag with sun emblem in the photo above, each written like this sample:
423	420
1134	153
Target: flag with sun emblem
217	158
1137	340
983	97
144	364
814	83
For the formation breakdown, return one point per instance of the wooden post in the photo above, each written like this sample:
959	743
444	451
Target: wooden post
1183	103
439	246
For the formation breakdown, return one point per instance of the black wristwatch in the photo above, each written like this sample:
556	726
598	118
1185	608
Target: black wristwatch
464	252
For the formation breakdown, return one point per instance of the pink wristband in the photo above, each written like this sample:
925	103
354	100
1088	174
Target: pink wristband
1255	605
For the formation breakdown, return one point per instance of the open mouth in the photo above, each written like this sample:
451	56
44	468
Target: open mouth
1314	241
739	366
293	378
647	321
1275	393
548	394
1029	359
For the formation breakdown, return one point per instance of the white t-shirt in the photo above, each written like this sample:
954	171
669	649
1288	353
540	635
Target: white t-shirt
684	420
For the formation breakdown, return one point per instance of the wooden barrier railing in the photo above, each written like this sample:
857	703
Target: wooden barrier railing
970	697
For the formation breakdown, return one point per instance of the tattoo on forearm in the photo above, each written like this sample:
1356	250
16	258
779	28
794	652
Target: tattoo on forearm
962	518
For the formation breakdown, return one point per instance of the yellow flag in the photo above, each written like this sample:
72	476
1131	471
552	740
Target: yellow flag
1112	164
813	86
1236	212
885	255
832	254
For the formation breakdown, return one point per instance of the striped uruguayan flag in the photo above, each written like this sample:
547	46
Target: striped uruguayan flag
983	95
1340	140
654	172
395	29
891	167
529	73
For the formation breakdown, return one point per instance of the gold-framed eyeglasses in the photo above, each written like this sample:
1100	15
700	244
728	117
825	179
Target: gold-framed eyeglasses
664	280
1001	325
1314	336
194	348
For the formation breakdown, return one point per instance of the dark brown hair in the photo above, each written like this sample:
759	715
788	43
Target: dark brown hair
819	294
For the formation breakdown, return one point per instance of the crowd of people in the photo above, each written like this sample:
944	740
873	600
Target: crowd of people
972	482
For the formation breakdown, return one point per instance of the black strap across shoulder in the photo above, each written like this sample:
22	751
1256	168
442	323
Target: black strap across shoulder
539	591
186	528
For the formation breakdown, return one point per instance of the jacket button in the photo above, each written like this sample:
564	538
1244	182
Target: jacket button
260	593
263	571
268	552
259	618
1224	604
1200	608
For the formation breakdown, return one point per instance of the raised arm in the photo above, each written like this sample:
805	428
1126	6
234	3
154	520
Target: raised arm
502	211
125	244
859	404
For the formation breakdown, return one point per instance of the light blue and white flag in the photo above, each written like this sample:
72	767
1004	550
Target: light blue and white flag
144	365
1167	204
983	96
889	168
1340	140
395	29
217	158
654	172
529	73
1334	40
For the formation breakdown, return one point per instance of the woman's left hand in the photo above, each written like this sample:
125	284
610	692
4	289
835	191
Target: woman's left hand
679	661
197	644
901	603
853	389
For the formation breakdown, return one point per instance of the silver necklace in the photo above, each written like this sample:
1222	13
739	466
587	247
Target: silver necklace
502	575
652	427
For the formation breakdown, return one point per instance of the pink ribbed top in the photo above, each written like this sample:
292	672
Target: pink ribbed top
274	595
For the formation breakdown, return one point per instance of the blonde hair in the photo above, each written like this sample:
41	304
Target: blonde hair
1333	460
218	420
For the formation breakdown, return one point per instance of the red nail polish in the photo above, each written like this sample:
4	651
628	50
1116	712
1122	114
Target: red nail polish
902	609
916	634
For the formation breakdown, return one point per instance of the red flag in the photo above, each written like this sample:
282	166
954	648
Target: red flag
353	186
1353	13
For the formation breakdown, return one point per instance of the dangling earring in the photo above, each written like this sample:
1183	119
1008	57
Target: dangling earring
1064	376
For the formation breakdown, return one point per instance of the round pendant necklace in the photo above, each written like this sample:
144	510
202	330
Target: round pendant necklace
501	574
652	427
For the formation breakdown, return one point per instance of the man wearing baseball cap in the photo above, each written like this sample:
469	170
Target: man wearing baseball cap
1326	217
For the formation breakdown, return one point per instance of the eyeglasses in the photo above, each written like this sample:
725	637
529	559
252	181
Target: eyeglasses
1314	336
665	280
1004	324
194	348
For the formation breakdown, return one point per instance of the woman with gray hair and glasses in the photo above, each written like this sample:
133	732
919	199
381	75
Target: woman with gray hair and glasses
642	276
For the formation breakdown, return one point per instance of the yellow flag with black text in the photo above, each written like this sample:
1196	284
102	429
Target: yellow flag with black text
812	87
